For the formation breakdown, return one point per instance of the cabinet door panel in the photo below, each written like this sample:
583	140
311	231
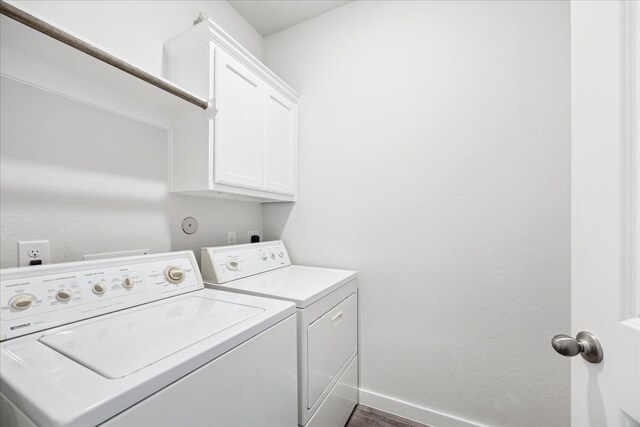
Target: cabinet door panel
238	124
279	143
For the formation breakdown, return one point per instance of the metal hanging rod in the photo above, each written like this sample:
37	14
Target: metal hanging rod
76	43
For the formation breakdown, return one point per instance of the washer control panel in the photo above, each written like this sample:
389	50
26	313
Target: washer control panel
222	264
41	297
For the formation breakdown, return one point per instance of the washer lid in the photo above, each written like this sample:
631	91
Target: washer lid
121	345
300	284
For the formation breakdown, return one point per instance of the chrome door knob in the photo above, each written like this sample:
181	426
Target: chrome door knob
584	344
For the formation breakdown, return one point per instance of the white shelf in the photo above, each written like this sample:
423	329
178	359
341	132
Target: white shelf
38	60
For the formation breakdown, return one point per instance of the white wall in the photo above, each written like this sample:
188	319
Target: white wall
136	30
92	181
434	158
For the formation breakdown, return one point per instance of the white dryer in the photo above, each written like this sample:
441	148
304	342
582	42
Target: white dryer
327	313
139	341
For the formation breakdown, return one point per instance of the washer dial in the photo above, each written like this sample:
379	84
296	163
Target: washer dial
232	263
21	302
174	274
128	282
99	288
64	295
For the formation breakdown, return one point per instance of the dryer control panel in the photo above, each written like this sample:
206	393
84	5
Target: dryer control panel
222	264
41	297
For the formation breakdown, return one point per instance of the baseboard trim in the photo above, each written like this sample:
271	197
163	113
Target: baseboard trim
413	412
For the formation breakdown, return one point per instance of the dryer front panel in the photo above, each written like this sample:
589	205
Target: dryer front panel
332	340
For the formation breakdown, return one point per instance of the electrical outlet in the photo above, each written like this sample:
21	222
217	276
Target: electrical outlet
33	253
231	237
253	233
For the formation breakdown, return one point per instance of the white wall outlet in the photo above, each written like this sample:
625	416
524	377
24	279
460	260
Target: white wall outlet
231	237
33	253
253	233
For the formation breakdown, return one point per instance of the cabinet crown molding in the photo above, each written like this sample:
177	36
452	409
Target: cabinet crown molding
209	30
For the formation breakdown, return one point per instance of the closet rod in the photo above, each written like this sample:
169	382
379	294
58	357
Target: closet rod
76	43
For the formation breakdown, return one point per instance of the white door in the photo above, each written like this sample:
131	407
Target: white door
238	124
605	167
279	143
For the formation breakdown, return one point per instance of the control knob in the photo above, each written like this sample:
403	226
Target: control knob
232	263
263	257
99	288
272	255
128	283
281	254
174	274
64	295
21	302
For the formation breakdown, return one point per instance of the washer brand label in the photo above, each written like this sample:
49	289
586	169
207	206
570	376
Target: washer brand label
24	325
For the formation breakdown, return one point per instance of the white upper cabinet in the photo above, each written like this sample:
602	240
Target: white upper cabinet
239	124
244	145
280	126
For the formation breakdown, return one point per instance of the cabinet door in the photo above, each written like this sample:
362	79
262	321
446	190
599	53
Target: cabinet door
280	125
238	124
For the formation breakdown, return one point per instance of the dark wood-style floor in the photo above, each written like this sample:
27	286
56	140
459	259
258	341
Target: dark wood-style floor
364	416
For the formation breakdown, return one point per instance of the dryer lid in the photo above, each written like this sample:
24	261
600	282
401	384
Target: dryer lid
119	346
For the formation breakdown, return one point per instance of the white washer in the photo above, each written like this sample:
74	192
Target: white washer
138	341
326	301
